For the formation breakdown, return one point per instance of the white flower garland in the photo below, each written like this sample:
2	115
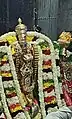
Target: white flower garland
17	86
47	75
46	94
8	84
3	99
5	67
41	36
2	116
56	54
20	116
2	37
46	57
7	50
69	53
58	71
40	83
12	100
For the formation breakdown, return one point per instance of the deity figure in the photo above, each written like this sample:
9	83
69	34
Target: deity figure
23	59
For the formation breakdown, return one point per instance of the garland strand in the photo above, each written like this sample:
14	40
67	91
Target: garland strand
17	86
41	36
40	83
3	99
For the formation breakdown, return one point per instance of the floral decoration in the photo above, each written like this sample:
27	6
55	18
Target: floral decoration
10	88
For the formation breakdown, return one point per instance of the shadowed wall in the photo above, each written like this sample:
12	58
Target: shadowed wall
54	16
11	10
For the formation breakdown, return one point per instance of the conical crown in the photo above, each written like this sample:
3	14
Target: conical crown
20	27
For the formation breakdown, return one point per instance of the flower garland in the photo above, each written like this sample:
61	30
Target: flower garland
2	114
10	37
41	36
15	77
66	63
3	99
40	83
59	51
52	57
9	89
48	83
16	82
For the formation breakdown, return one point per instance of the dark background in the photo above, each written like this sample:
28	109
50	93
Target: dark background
11	10
54	16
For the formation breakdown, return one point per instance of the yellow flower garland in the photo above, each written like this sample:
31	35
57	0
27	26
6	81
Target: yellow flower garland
10	39
46	85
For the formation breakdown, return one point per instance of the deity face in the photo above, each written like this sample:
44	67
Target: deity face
22	37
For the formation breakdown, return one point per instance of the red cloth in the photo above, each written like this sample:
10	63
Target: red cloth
67	95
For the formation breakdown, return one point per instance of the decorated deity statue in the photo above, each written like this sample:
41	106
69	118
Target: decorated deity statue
23	59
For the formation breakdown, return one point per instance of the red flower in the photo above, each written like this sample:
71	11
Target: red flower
11	95
49	99
47	62
13	106
49	89
46	52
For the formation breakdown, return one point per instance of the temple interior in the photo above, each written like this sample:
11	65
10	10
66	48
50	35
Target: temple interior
36	59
